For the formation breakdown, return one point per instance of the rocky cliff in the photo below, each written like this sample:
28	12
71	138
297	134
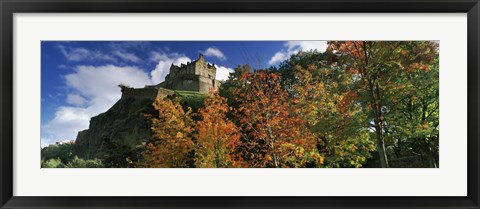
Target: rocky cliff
123	126
116	136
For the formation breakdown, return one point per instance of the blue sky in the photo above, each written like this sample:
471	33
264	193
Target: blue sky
80	78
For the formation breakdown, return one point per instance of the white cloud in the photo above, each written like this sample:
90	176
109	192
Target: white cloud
214	52
320	46
102	82
46	141
98	86
66	124
223	73
278	57
79	54
75	99
161	55
293	47
164	62
127	56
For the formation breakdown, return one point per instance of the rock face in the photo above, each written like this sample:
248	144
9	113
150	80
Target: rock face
124	124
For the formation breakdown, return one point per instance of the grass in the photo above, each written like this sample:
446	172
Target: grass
192	99
191	93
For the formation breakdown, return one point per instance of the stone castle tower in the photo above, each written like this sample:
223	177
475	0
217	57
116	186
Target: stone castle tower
194	76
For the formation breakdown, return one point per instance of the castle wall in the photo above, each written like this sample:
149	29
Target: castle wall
176	71
205	84
186	84
217	83
208	73
143	93
206	70
164	92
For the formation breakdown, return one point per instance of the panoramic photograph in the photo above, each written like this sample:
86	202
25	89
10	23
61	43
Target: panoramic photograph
239	104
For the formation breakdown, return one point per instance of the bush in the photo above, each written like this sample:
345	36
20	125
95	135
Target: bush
81	163
52	163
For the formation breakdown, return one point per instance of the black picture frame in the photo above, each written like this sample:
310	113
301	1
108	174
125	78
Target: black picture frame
9	7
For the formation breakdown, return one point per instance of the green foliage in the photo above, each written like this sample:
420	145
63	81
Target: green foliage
62	152
303	59
228	88
121	155
191	99
52	163
81	163
350	152
76	162
413	118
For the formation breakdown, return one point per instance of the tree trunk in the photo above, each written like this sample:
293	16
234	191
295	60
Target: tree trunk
432	163
377	109
381	147
375	102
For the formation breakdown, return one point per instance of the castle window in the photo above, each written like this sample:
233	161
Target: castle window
209	76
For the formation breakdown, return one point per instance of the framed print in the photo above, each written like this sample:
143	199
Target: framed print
265	104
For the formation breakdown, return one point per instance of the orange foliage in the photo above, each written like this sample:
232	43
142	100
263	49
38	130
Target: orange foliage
346	101
273	134
171	133
217	136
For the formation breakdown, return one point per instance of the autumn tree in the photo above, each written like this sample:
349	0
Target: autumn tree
329	106
272	133
217	136
333	115
375	65
413	116
171	135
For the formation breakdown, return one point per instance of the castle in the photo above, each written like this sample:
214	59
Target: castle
197	75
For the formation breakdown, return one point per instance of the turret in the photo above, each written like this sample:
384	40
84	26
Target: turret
201	58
